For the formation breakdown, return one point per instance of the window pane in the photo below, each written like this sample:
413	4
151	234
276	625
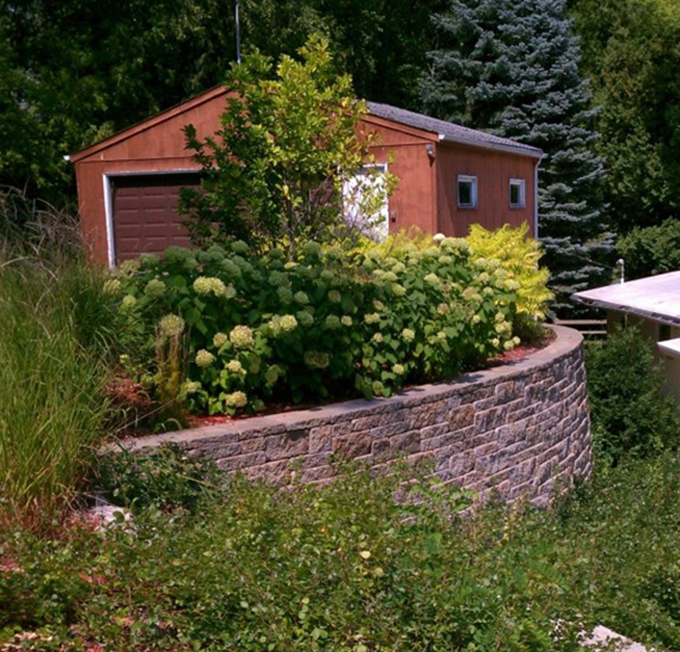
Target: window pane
465	193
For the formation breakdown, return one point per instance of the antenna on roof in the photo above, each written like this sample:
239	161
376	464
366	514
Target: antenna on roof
238	34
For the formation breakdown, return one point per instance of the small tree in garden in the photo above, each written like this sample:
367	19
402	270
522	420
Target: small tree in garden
275	171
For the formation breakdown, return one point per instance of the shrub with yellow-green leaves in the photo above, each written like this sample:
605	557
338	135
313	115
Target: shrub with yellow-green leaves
519	256
330	324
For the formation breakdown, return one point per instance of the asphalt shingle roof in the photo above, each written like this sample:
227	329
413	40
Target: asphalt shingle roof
449	131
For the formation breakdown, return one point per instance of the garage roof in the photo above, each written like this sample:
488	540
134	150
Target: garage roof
446	131
654	297
449	131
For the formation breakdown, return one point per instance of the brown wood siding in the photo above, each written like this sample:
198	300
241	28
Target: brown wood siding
414	200
145	218
425	195
493	170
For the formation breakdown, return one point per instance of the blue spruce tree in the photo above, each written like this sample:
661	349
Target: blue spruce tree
512	67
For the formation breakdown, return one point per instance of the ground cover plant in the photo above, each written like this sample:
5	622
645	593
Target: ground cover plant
228	329
340	567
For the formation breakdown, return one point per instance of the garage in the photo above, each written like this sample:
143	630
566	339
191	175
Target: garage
144	213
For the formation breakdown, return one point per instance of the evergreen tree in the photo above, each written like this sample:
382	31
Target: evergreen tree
512	67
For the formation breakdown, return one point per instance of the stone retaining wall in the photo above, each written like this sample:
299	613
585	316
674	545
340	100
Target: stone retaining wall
521	428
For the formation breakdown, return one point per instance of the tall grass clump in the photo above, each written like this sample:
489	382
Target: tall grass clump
54	332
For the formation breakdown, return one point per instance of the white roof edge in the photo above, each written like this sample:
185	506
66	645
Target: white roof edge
670	347
654	297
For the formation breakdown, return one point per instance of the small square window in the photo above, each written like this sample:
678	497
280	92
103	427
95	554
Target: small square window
467	191
517	193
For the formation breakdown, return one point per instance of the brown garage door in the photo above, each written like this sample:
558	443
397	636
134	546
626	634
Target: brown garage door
145	216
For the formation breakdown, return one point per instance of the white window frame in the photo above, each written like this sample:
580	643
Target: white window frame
521	185
472	180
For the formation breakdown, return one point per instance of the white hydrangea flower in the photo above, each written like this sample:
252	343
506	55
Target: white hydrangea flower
301	298
317	359
235	367
192	387
332	322
241	337
408	335
128	302
204	358
171	325
220	339
236	399
154	288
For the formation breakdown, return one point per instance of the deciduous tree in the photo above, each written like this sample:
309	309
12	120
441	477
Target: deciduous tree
277	169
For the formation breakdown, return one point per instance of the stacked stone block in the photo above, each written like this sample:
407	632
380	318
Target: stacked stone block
520	429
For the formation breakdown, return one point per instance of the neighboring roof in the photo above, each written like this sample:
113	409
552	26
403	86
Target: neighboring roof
448	131
654	297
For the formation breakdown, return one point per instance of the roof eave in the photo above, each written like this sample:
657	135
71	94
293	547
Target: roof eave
498	147
148	123
617	307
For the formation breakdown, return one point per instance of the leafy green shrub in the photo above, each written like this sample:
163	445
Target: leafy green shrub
345	567
519	256
631	416
618	548
165	478
327	324
651	250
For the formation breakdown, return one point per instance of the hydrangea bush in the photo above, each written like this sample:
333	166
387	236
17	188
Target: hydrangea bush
329	324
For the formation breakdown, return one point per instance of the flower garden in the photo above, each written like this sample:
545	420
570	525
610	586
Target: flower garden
225	330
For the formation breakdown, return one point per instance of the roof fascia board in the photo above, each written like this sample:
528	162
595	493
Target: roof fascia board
617	307
142	126
508	149
399	126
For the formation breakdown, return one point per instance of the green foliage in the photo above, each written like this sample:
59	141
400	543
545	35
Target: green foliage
346	567
631	56
276	170
52	410
324	326
77	71
511	67
619	546
651	250
631	416
519	256
164	478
